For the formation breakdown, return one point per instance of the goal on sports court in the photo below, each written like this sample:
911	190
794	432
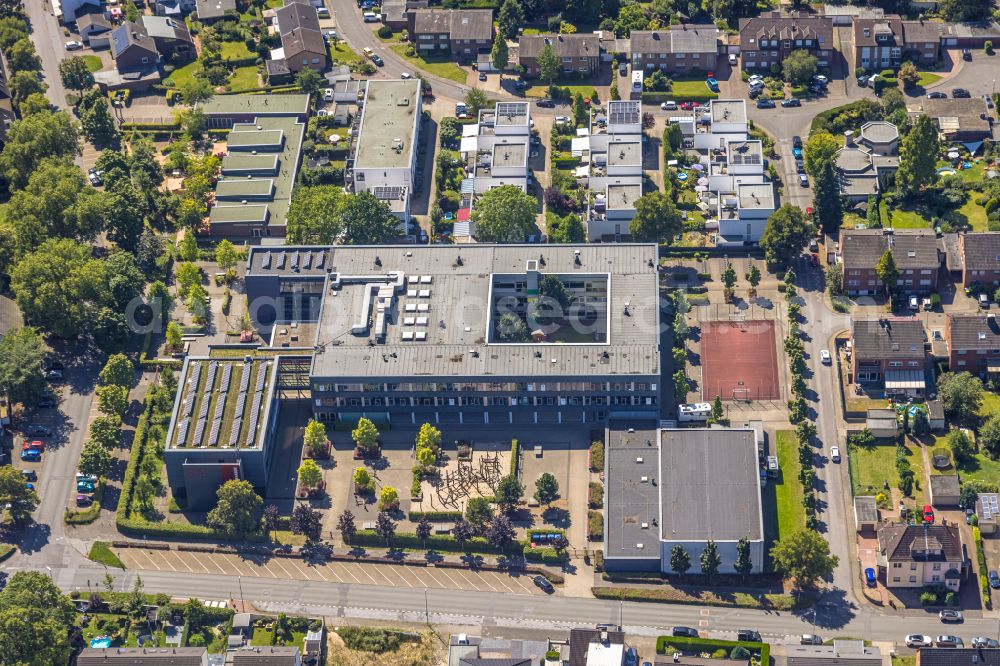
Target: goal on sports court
741	394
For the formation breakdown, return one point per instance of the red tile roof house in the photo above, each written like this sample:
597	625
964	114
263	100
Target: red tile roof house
890	352
461	32
579	53
973	343
766	40
914	250
980	255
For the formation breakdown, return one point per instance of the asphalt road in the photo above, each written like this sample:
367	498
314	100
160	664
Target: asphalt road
51	47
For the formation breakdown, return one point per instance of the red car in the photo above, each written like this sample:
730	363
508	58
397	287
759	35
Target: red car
928	514
36	445
809	211
687	106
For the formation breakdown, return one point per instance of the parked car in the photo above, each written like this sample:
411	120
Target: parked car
328	95
824	356
748	635
945	641
914	303
46	401
562	120
870	579
689	106
323	12
35	444
989	101
73	45
84	500
948	614
95	176
994	579
919	640
668	106
966	54
545	104
377	59
732	59
810	639
712	84
622	68
37	430
960	93
371	17
984	642
405	75
928	516
863	80
984	301
835	454
820	79
803	180
31	455
687	632
936	95
29	475
785	103
765	104
85	486
543	583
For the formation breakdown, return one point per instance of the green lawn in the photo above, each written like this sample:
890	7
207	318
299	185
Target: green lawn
787	489
972	213
443	67
543	90
871	466
235	51
262	637
244	78
275	4
696	87
185	73
990	404
101	553
927	79
343	55
905	219
94	63
980	468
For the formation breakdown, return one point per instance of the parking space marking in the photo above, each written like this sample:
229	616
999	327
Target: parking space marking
529	589
281	565
377	569
161	556
307	571
461	574
361	568
444	572
346	569
411	574
324	570
396	571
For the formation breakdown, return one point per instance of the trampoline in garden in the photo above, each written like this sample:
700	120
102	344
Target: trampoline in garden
682	176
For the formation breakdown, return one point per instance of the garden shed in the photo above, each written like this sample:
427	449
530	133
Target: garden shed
882	423
935	414
865	513
944	490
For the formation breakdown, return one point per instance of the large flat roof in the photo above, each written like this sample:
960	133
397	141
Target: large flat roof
389	117
255	105
222	403
632	504
446	295
703	499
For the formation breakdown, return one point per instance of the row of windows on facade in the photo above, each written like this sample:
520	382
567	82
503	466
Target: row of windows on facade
444	36
892	364
498	401
908	271
665	56
484	387
878	283
935	566
913	579
787	43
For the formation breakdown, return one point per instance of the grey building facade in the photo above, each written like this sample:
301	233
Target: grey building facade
463	335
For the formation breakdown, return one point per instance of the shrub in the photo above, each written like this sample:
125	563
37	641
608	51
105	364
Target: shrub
595	525
596	495
597	456
739	652
719	654
385	32
928	598
372	639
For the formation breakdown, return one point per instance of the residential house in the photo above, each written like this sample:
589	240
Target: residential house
963	120
461	32
881	43
133	48
579	53
766	40
179	656
889	352
395	15
680	49
882	423
980	258
272	655
170	36
958	657
973	343
495	150
465	650
611	153
846	14
173	8
302	44
584	643
843	652
95	29
969	35
863	165
921	555
915	252
210	11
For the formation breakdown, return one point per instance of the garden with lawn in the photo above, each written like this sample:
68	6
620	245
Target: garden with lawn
788	491
94	63
694	88
444	66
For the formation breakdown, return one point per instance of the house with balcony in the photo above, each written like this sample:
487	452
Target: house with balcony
611	168
915	252
920	555
579	53
766	40
496	151
890	352
973	343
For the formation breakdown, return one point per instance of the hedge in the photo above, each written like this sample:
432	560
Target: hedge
138	444
566	162
88	515
711	645
414	516
433	542
977	537
545	555
141	527
595	525
515	457
672	595
152	127
658	97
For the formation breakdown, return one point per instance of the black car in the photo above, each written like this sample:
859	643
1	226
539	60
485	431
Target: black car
46	401
994	580
754	93
545	104
960	93
748	635
796	141
482	76
521	85
29	474
37	430
765	104
936	95
785	103
543	583
966	54
687	632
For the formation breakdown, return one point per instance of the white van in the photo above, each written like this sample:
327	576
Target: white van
695	411
637	79
371	17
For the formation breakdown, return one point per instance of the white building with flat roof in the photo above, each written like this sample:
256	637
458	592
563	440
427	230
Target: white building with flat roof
383	155
611	154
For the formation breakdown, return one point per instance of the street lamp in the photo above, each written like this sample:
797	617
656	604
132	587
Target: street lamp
427	612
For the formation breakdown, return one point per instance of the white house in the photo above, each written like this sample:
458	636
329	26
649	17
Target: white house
611	152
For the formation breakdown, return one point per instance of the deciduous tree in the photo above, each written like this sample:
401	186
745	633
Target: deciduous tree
504	214
22	355
385	526
918	153
803	556
388	499
509	492
112	399
510	19
226	255
346	526
118	371
75	74
365	435
315	438
887	272
310	474
478	512
799	66
785	234
656	218
423	530
549	64
680	561
500	533
546	488
743	564
94	459
237	509
307	521
710	560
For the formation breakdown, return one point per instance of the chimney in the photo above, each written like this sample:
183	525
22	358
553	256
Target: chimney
849	139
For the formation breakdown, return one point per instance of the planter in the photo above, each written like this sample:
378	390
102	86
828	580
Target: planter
368	454
322	454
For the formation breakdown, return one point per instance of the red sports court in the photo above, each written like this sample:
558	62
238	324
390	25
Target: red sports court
739	360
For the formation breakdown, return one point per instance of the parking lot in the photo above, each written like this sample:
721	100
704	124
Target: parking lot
361	573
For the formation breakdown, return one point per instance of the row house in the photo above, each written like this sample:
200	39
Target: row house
461	32
973	343
578	53
766	40
680	49
881	43
890	352
980	254
915	252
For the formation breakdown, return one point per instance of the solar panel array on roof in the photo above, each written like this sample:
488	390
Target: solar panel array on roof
307	259
388	193
199	429
991	506
266	263
741	154
241	401
294	263
623	112
511	110
258	396
220	404
320	259
280	260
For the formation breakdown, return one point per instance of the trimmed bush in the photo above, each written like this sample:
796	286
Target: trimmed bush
762	650
442	516
595	525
